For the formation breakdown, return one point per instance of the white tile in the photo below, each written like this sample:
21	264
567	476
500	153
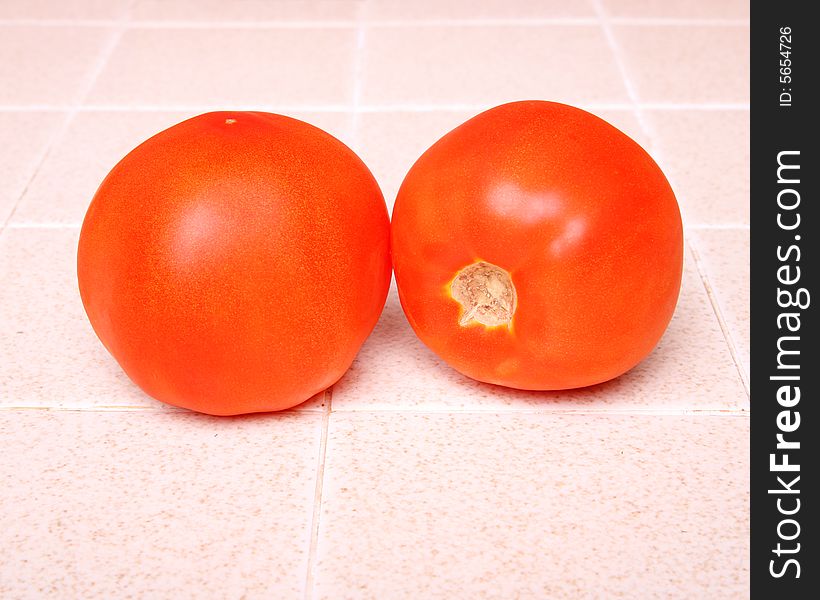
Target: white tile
705	154
24	138
253	67
219	11
534	506
678	9
687	64
48	65
62	9
425	10
161	505
724	256
489	65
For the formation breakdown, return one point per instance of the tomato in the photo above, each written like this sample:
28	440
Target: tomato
235	262
537	247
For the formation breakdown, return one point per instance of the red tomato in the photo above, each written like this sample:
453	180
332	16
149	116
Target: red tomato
235	262
537	247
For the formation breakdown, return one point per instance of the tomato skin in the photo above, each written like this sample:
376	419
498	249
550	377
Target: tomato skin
235	262
576	212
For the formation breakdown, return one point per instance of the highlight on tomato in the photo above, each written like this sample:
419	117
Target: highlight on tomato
537	247
235	262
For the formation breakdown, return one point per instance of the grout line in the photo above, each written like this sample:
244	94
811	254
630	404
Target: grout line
724	327
170	24
717	226
279	107
55	136
653	106
89	79
173	108
58	23
553	21
385	23
310	577
217	106
479	22
738	106
620	63
637	412
681	21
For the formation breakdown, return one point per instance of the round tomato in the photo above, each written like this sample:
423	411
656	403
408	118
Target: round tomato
537	247
235	262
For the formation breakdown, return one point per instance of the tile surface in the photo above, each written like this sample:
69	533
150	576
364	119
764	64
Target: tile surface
57	62
627	122
488	65
64	9
534	505
94	143
158	504
378	143
394	370
724	256
693	51
671	9
48	351
705	154
24	137
229	67
252	11
428	10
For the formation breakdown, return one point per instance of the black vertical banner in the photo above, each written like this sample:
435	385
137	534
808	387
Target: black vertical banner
785	55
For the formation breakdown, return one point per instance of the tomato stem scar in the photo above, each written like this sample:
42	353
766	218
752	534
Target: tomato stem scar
486	294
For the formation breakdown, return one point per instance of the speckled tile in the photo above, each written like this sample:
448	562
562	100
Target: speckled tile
626	121
326	11
191	67
49	354
724	256
160	505
706	155
56	63
408	134
678	9
24	137
691	368
677	63
94	143
62	9
534	506
425	10
488	65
